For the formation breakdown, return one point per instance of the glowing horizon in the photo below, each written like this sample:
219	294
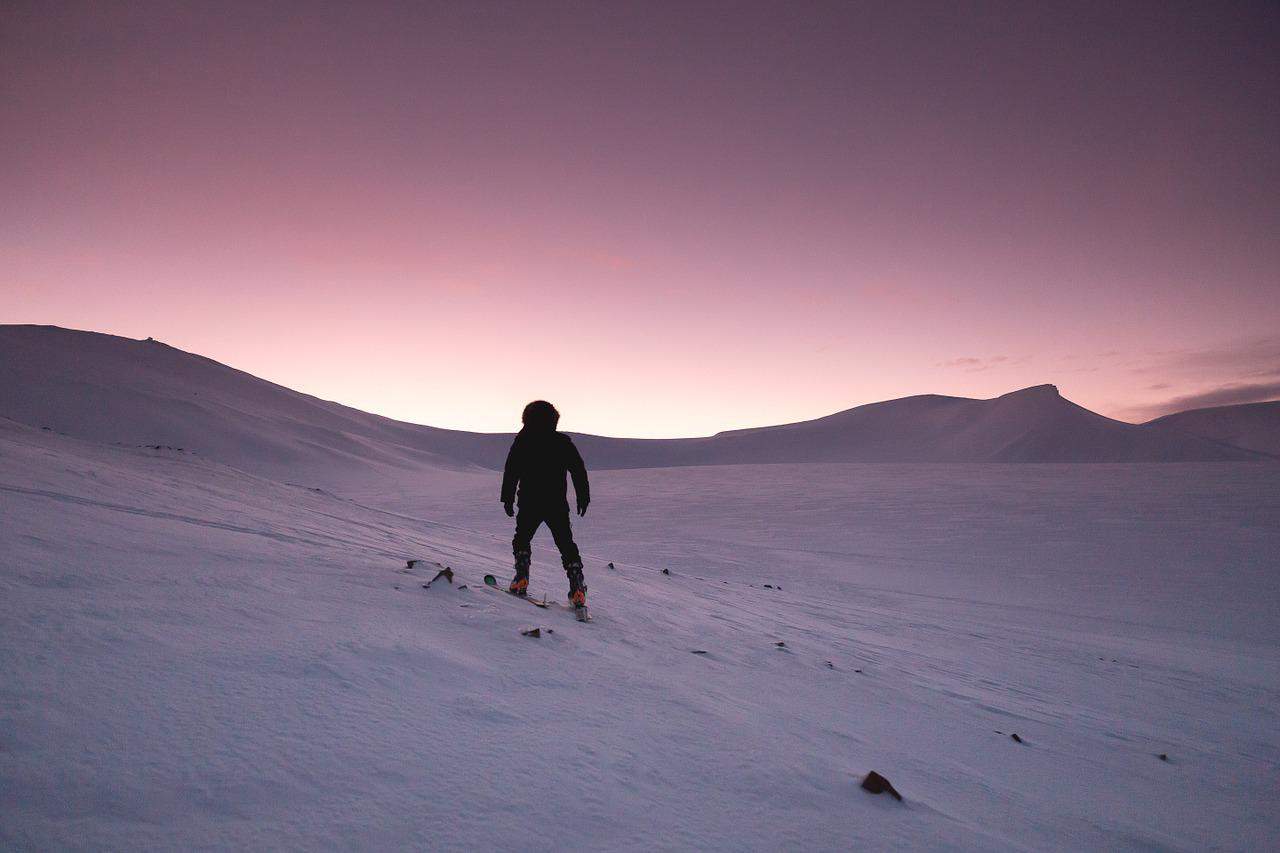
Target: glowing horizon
668	222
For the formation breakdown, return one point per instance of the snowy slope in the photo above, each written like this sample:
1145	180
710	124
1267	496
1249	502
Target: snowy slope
116	390
196	657
113	389
1032	425
1254	426
1181	547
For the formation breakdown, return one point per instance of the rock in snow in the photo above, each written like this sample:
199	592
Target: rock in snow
877	784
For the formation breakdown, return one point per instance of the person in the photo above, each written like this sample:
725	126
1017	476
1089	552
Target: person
534	476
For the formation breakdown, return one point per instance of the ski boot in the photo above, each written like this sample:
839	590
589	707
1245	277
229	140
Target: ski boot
577	591
520	583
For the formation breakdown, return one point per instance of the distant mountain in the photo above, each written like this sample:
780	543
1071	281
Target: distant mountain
118	390
1253	426
1032	425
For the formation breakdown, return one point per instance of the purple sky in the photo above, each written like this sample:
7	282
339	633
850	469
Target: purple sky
668	218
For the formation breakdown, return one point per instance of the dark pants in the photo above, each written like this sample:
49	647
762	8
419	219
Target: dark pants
557	520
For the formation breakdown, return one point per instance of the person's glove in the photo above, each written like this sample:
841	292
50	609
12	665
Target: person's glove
510	508
582	507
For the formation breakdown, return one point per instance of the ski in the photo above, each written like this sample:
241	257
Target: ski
535	602
580	613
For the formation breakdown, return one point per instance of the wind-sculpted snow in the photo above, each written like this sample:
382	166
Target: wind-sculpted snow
195	657
130	392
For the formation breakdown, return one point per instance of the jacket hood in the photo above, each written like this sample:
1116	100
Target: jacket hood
540	416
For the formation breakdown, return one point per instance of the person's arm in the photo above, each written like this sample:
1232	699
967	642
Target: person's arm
510	477
578	470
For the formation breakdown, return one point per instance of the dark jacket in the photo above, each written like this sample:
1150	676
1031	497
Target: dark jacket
537	463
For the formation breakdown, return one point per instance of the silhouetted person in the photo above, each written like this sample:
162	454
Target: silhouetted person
535	473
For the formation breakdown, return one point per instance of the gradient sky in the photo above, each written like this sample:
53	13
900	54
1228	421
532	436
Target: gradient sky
669	219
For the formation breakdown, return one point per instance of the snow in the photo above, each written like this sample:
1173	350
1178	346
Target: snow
1065	543
1032	425
209	637
1254	426
120	391
198	657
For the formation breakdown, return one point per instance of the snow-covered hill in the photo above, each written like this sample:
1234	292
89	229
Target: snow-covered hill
1253	426
1032	425
198	657
114	389
117	390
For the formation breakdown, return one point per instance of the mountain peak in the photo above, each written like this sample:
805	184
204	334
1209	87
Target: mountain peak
1035	391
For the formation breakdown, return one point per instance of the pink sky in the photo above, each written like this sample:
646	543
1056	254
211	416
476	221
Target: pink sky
668	219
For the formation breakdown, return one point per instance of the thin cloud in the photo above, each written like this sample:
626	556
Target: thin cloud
1255	357
1226	395
970	364
1245	371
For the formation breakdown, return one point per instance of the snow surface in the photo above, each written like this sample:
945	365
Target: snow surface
209	638
198	657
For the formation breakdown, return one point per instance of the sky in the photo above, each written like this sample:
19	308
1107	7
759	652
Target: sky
667	218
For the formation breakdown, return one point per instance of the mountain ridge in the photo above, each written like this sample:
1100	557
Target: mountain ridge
122	390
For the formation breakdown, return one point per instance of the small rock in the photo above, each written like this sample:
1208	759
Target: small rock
877	784
666	571
1015	737
699	651
612	567
768	586
462	587
858	671
780	644
830	665
532	632
446	573
1164	757
397	586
